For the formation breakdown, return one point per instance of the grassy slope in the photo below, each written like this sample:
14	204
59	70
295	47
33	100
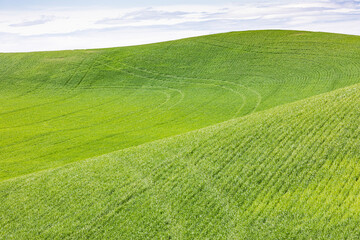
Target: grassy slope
288	172
60	107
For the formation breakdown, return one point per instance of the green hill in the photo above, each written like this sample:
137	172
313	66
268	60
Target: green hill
61	107
243	135
288	172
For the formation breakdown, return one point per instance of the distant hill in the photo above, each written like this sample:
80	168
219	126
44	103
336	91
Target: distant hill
61	107
243	135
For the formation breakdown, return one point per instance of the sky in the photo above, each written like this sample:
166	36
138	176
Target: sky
41	25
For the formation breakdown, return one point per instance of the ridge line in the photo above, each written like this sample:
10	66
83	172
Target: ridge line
181	134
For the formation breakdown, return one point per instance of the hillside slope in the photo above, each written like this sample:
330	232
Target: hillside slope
61	107
288	172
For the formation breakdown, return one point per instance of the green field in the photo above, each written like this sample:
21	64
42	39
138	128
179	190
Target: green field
267	141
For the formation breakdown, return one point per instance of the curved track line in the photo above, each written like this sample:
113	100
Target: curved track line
176	77
208	79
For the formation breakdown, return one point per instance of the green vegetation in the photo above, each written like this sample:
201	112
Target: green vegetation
277	155
288	172
61	107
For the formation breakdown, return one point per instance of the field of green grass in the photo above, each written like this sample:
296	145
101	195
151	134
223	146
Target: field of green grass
243	135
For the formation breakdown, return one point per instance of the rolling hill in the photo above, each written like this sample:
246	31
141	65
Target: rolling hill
288	172
243	135
61	107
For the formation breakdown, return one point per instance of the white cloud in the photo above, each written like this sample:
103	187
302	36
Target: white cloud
54	29
43	19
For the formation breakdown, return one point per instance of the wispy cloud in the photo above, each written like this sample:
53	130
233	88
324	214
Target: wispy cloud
52	29
143	15
42	20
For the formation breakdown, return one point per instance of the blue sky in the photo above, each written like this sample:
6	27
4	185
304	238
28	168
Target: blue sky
37	25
